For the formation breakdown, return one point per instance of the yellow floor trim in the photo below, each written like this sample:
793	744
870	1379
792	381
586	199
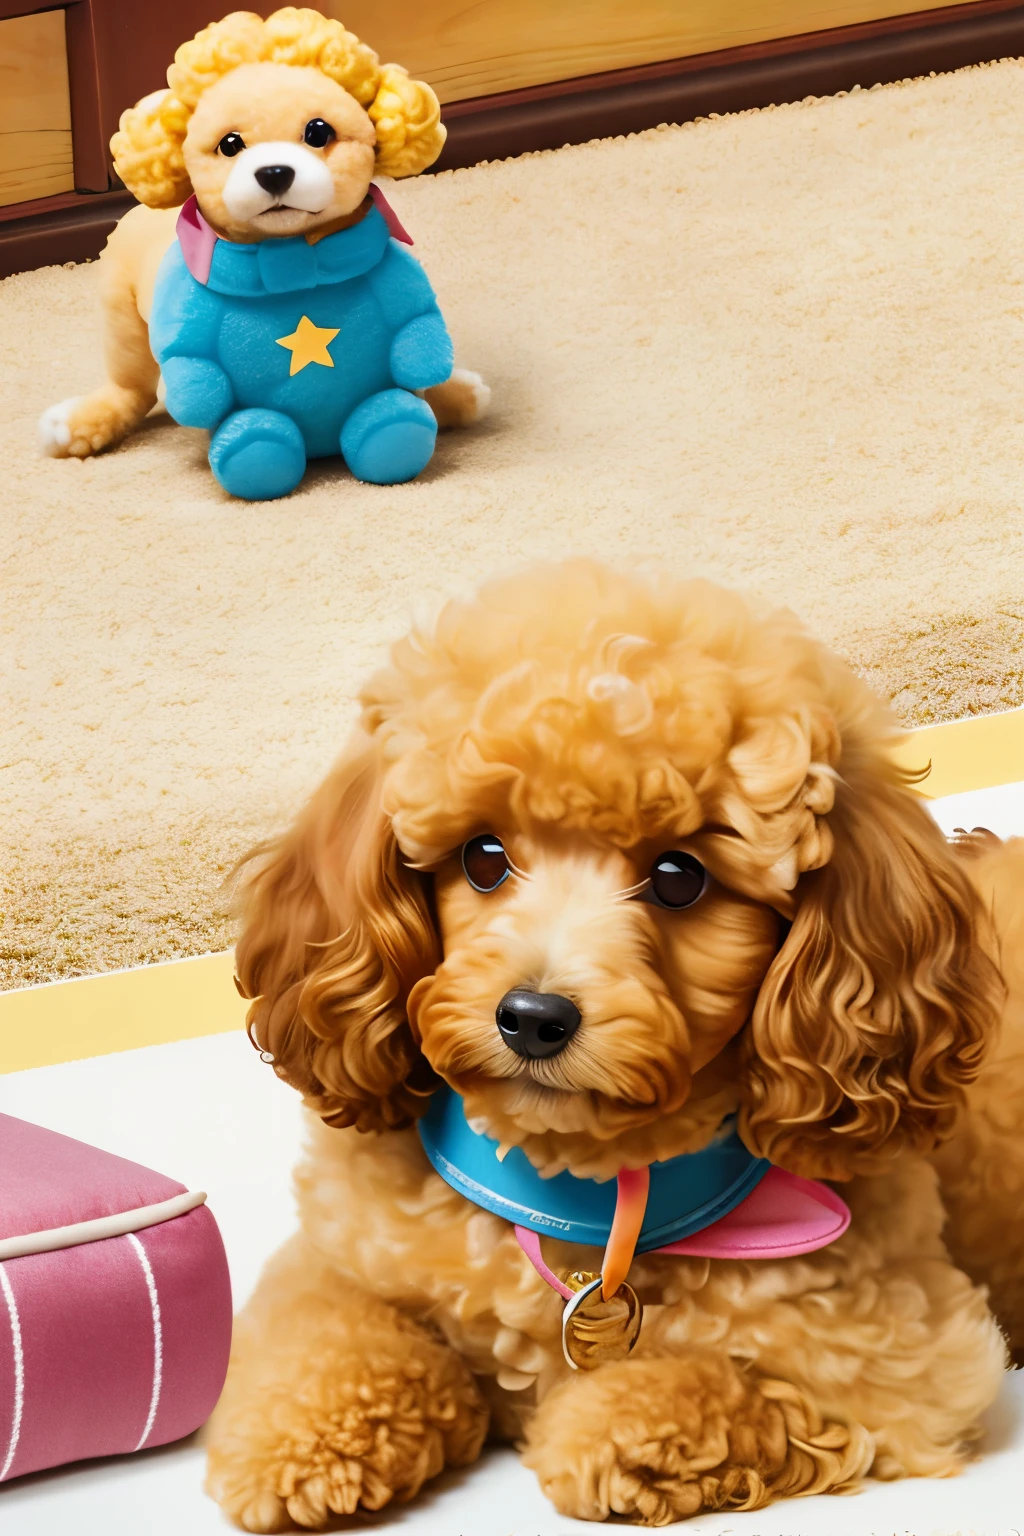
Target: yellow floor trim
980	752
95	1015
183	999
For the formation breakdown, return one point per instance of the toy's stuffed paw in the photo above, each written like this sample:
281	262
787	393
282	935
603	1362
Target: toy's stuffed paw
258	455
462	399
389	438
197	391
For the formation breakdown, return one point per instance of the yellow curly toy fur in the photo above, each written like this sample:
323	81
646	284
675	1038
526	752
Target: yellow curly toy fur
148	149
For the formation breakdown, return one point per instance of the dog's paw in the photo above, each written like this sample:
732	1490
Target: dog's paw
54	430
462	399
473	391
79	427
360	1433
86	424
660	1439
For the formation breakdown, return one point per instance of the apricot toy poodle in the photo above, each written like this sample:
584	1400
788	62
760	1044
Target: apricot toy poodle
617	882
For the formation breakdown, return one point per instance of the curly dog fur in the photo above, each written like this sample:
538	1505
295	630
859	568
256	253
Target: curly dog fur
269	77
837	986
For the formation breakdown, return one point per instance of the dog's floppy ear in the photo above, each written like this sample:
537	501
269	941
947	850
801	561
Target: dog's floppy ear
875	1013
336	931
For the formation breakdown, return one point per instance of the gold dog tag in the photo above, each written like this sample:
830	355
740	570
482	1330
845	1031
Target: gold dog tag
594	1331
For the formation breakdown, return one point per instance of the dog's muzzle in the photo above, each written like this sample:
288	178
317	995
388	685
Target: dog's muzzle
536	1024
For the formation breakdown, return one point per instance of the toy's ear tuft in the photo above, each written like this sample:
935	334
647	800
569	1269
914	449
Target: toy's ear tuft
407	117
147	150
304	37
240	38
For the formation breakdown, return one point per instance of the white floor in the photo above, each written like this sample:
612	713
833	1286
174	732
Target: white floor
209	1113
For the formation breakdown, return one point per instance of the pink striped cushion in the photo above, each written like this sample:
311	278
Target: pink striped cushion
110	1345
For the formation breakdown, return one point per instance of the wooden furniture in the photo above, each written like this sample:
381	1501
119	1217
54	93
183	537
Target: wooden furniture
494	46
513	75
35	109
66	75
732	79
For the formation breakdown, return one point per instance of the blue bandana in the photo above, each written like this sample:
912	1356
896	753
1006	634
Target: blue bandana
687	1193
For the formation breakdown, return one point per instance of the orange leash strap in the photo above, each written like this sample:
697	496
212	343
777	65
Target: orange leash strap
630	1206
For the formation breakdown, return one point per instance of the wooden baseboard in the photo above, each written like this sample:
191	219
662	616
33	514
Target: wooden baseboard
70	227
75	227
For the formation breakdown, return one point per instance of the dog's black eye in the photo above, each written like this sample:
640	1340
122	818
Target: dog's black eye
677	880
318	134
484	863
231	144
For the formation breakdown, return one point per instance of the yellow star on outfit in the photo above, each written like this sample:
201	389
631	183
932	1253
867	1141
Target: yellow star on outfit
308	343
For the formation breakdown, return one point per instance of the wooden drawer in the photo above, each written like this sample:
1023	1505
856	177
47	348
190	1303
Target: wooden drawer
466	50
35	108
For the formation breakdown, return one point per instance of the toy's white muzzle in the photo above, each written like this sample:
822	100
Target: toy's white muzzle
277	175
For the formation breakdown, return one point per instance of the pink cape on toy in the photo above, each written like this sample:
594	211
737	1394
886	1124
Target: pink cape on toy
115	1303
198	241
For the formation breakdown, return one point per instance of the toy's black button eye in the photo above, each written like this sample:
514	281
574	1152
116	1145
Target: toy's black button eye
318	134
231	144
484	863
677	880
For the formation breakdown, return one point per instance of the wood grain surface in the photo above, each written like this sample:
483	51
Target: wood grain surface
35	108
468	48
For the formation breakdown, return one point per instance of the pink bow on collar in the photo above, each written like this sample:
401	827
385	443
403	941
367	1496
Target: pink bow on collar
197	239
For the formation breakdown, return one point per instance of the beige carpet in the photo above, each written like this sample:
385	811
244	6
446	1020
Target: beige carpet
785	349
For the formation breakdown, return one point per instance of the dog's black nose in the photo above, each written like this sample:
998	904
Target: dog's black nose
275	179
536	1024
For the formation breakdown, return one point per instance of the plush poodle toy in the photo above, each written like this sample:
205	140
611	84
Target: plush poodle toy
286	317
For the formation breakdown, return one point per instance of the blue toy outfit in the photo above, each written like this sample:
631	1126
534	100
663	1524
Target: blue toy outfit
291	350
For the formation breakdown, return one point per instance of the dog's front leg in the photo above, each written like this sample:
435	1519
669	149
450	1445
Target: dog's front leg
334	1401
87	424
661	1437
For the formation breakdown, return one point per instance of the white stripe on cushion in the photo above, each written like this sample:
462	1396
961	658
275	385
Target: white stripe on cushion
158	1337
117	1225
19	1372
